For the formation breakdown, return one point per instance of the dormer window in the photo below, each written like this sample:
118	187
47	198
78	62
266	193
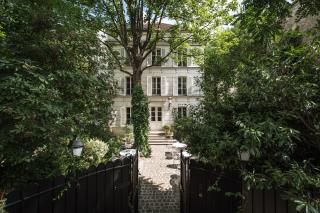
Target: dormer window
156	57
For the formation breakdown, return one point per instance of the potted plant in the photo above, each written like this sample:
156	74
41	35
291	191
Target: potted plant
168	131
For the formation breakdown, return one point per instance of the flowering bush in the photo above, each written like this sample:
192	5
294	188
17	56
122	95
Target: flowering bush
94	152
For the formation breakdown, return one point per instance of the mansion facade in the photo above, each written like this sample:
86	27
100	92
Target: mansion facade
170	87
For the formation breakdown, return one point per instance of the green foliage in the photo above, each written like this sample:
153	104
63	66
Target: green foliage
52	87
140	120
129	133
261	95
94	152
114	145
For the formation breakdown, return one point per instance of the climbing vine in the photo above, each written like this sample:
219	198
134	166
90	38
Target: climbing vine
140	120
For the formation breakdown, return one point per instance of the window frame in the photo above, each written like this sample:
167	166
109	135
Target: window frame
156	57
156	114
156	86
182	86
128	83
128	115
182	112
182	59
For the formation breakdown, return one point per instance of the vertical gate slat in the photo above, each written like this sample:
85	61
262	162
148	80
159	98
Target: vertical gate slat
30	204
258	201
109	186
59	196
91	190
135	171
116	181
82	202
13	197
45	199
71	198
281	206
269	201
125	176
100	188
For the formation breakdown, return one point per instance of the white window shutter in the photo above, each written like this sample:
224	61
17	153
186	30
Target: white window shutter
117	121
189	59
122	52
190	82
164	86
149	59
122	116
122	86
174	62
175	86
196	90
149	85
168	59
163	54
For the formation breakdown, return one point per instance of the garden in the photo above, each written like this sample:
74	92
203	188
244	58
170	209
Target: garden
260	78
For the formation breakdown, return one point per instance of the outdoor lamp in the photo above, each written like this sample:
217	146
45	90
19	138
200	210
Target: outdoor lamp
77	147
244	156
169	102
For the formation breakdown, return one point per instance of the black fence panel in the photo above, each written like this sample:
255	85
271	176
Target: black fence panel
100	185
196	178
111	187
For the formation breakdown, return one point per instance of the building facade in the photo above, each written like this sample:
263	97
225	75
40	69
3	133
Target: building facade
171	87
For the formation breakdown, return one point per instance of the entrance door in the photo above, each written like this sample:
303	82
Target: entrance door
155	118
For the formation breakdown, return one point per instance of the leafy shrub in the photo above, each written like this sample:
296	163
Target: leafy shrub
266	102
94	152
167	129
52	88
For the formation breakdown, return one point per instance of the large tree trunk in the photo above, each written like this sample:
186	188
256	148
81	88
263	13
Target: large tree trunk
140	114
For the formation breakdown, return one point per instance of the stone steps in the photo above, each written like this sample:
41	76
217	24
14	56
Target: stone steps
159	138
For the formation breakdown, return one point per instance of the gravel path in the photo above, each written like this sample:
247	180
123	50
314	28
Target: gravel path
159	182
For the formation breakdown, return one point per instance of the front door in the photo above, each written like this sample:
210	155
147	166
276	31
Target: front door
155	118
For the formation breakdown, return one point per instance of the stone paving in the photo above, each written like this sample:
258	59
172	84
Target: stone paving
159	182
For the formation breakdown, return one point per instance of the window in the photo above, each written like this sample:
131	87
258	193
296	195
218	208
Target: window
182	112
182	58
182	85
159	114
156	114
156	57
128	85
128	115
153	114
156	85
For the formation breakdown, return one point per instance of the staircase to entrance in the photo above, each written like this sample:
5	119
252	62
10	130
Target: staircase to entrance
159	138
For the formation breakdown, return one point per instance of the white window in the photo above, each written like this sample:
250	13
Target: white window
156	113
156	57
128	85
182	112
182	58
182	85
128	115
156	85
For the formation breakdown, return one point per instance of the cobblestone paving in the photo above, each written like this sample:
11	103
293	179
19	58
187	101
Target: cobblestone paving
159	182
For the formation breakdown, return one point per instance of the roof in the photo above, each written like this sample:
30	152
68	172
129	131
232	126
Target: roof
163	26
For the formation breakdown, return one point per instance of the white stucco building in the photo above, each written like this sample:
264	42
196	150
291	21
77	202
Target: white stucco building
170	86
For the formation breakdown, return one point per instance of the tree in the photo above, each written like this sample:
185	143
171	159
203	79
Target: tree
52	88
261	95
137	25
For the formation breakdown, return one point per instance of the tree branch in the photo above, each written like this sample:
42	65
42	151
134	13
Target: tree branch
116	58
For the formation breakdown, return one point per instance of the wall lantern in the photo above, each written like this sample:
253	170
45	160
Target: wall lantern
77	147
244	156
169	102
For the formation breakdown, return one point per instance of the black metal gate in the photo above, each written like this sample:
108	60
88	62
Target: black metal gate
110	187
196	178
